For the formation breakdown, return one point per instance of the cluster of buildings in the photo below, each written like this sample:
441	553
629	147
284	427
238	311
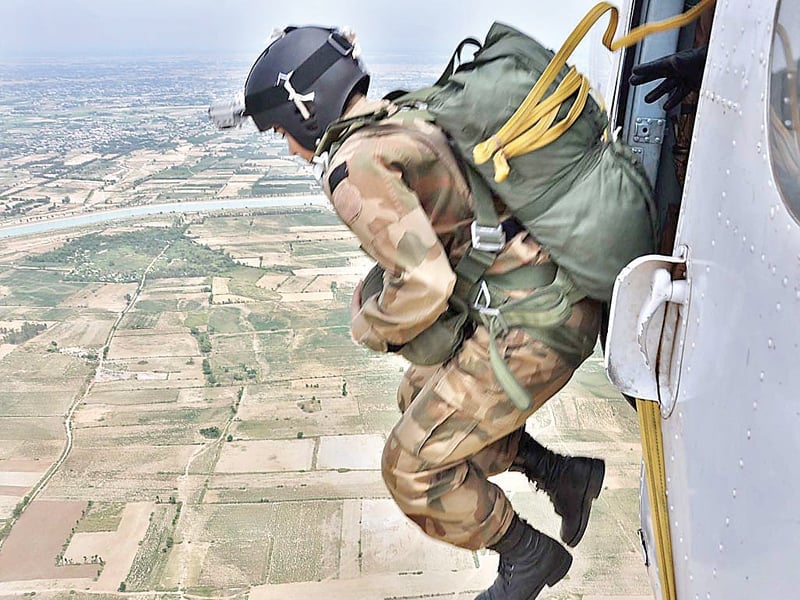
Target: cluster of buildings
92	135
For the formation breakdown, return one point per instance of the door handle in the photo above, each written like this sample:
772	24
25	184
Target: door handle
663	289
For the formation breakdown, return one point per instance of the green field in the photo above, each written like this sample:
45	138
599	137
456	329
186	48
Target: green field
101	516
36	288
274	543
124	256
139	319
226	319
186	172
150	560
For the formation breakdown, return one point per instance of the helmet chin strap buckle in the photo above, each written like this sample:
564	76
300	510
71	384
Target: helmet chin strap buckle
320	166
298	99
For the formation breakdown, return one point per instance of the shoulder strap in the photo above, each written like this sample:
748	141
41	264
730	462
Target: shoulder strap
402	98
488	237
339	130
451	66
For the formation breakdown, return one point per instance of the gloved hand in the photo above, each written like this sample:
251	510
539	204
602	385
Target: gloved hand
682	73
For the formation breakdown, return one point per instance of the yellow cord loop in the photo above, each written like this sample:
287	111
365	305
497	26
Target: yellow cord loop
531	126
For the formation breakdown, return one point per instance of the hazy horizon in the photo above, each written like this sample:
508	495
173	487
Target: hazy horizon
126	28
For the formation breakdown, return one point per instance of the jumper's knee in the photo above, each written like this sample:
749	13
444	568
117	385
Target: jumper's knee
449	501
401	471
389	461
416	483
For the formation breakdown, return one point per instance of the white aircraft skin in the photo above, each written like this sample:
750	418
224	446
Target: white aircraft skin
729	359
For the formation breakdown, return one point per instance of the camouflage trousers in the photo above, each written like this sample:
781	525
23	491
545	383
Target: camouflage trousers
458	428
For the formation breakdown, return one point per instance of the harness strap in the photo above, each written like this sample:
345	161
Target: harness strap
339	130
470	270
480	255
524	278
541	314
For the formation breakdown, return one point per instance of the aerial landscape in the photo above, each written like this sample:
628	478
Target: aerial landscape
183	412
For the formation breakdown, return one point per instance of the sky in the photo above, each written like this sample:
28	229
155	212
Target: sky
424	28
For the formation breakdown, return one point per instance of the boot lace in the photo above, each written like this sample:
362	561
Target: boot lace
554	470
506	572
545	475
549	483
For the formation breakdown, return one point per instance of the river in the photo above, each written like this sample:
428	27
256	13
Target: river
118	214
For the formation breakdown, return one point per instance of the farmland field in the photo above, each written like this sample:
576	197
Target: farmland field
226	432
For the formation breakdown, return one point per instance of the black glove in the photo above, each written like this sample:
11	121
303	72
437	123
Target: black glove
682	73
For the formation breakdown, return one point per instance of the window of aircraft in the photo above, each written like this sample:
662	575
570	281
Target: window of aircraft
784	114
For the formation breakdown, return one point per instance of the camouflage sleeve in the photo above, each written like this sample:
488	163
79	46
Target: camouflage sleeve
386	216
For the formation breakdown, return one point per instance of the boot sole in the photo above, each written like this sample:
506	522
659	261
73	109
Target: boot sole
592	491
558	562
557	573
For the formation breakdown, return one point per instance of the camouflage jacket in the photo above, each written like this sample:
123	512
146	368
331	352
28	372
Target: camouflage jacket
398	187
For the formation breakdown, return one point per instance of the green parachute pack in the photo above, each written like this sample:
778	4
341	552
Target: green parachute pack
585	199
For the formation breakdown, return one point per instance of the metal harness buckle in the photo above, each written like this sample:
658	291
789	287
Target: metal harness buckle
483	304
483	301
488	239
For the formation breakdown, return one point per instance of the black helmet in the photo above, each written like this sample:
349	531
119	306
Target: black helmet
302	82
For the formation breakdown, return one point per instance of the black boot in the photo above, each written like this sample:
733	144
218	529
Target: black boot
571	482
529	560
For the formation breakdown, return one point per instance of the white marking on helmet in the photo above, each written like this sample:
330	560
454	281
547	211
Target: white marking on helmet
298	99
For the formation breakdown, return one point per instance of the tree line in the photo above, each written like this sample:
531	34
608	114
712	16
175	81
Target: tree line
27	331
